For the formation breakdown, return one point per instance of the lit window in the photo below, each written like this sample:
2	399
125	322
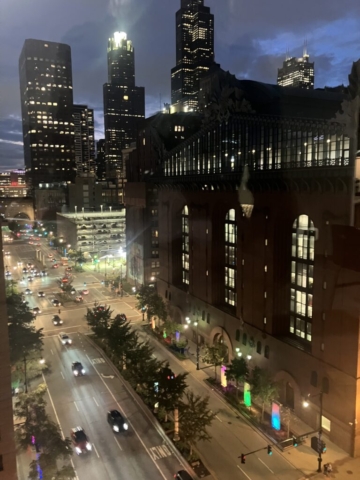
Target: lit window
302	278
230	258
185	250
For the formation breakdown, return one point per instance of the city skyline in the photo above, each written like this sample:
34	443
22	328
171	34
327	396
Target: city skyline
246	43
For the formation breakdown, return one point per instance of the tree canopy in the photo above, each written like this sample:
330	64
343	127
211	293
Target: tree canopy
215	355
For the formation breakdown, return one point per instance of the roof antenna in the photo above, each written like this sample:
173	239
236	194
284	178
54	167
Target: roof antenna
305	53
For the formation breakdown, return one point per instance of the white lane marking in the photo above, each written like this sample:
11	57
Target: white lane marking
160	451
96	450
218	418
77	408
95	401
62	374
246	475
265	465
118	444
94	361
136	433
58	421
52	353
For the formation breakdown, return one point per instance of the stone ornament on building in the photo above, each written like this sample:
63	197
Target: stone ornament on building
246	198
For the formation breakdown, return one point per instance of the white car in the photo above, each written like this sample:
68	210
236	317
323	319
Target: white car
65	339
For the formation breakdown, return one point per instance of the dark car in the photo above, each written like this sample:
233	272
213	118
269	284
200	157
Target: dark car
73	291
41	294
57	320
28	291
43	273
24	270
56	302
77	369
80	440
183	475
36	310
117	421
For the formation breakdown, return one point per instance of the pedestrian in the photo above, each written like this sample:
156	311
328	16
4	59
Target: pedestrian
59	311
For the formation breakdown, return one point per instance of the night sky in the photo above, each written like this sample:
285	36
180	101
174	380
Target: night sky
251	39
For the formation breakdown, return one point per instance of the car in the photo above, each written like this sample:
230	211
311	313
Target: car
55	265
41	294
54	260
51	255
64	280
43	273
30	265
79	298
85	292
7	253
28	291
20	264
183	475
56	302
80	440
8	273
65	339
100	308
57	320
73	291
37	274
117	421
25	270
77	369
36	310
30	279
68	269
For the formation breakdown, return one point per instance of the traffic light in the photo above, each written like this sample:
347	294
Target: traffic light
269	448
323	449
295	442
243	458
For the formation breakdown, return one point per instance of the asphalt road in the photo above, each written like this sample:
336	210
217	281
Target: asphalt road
231	434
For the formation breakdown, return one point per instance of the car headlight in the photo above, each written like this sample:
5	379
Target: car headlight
61	322
78	450
55	322
76	373
63	342
70	341
83	371
115	428
126	426
88	446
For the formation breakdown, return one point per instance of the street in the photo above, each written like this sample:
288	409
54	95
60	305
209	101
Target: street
143	452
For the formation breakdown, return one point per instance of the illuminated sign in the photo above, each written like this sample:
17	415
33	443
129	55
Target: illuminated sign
275	416
247	394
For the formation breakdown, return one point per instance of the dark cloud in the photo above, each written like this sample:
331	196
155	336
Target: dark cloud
251	39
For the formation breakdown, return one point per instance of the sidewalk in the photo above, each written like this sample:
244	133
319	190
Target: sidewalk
302	457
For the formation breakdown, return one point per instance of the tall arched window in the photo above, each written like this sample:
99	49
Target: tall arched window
230	258
185	245
302	277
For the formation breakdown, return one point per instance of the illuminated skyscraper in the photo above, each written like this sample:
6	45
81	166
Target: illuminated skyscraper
47	111
84	139
124	103
297	72
194	53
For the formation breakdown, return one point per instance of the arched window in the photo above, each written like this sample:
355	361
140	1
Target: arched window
258	348
237	335
230	258
302	277
244	339
325	385
185	245
267	351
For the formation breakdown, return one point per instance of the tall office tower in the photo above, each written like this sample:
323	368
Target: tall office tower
47	111
7	444
100	168
194	53
297	72
84	139
124	103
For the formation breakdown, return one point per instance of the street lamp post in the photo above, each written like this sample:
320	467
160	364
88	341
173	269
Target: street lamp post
306	404
195	324
25	374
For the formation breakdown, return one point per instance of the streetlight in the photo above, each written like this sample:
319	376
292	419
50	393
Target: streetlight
195	324
305	405
238	352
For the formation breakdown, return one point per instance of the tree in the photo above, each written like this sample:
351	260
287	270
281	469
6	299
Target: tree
24	338
171	327
237	371
66	288
10	287
169	389
39	428
194	418
99	321
154	304
263	387
215	355
120	337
